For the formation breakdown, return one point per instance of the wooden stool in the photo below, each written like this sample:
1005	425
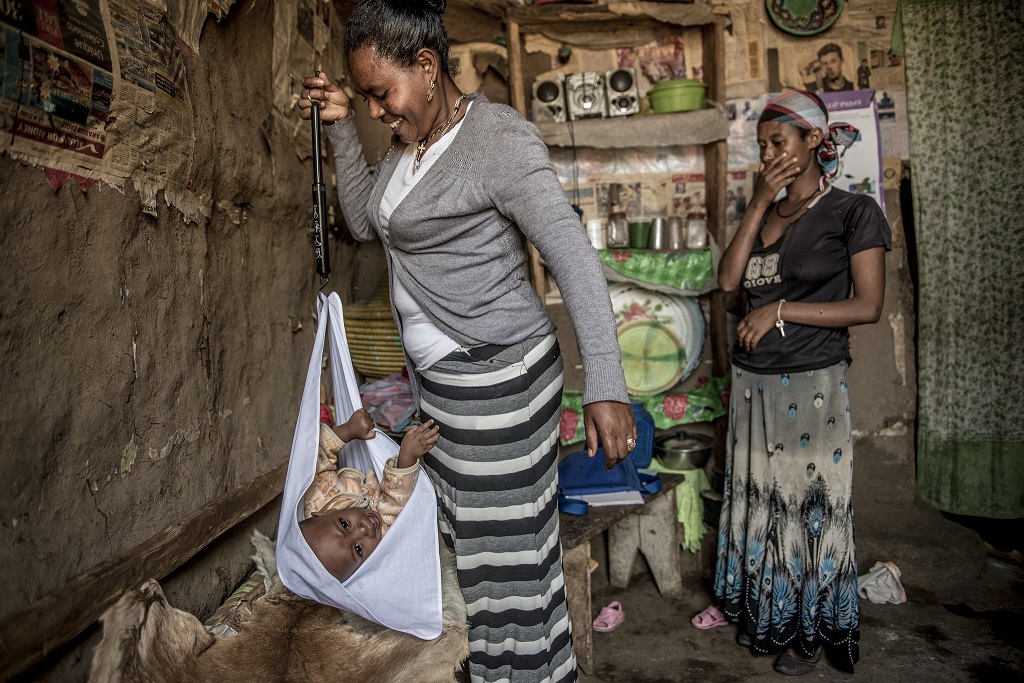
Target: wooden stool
650	528
654	532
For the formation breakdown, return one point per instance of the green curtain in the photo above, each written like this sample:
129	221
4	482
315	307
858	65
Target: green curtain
965	104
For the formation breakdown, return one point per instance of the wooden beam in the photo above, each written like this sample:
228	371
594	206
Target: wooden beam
620	16
715	184
658	130
29	635
517	90
715	175
517	95
713	48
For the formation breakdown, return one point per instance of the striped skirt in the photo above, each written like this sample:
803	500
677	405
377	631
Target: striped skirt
494	472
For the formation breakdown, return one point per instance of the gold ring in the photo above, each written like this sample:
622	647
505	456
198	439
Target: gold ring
630	444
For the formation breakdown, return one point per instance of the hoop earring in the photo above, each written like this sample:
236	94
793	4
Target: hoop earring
430	92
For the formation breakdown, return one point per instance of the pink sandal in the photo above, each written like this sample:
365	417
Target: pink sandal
609	617
709	618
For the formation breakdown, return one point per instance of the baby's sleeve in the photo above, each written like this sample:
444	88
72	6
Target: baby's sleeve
395	490
329	446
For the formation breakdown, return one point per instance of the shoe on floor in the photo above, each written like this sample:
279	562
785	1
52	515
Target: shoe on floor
744	639
791	666
709	618
609	617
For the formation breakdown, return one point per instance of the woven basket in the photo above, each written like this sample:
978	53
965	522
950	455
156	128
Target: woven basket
373	338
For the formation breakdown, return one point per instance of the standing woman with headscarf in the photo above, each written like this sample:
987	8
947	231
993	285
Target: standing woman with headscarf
465	184
812	264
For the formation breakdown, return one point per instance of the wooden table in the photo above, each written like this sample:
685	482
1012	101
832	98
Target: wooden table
650	528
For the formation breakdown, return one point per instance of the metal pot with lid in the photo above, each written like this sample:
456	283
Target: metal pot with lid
683	450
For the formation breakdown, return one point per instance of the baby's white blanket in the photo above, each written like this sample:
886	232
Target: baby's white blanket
399	585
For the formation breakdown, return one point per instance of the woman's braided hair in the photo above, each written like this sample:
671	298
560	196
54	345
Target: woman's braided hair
399	29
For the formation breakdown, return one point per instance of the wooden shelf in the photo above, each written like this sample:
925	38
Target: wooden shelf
621	24
655	130
557	17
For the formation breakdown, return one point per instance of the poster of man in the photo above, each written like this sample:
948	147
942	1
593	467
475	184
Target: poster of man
834	65
824	73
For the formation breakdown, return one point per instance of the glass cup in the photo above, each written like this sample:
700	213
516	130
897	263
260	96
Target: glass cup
617	233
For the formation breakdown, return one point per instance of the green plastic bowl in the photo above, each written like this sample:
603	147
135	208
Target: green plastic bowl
680	94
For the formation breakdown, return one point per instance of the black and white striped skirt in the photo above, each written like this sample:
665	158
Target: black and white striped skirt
494	470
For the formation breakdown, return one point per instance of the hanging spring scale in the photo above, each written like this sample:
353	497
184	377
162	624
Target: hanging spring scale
320	247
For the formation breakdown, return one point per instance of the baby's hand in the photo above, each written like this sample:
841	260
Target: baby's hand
417	442
359	426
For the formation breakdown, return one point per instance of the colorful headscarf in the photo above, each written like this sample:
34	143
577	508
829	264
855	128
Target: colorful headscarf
806	110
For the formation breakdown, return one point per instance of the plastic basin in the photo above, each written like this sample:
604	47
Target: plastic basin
681	94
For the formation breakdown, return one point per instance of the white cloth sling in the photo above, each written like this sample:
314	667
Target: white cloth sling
399	584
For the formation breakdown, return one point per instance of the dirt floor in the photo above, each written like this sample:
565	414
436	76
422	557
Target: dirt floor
961	622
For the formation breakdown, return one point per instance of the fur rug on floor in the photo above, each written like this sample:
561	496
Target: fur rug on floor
287	640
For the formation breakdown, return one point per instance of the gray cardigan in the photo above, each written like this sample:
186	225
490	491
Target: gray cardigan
458	240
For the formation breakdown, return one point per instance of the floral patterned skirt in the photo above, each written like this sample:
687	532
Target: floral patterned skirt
786	570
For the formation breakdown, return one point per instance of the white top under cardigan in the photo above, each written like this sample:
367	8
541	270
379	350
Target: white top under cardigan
423	340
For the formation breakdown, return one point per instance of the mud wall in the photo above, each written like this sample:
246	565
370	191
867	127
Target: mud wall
149	365
883	385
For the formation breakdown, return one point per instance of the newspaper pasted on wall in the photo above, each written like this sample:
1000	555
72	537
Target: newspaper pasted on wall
307	36
97	88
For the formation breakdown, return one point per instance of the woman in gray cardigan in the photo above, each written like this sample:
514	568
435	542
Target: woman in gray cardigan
465	184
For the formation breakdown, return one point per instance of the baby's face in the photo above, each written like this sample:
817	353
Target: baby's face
343	539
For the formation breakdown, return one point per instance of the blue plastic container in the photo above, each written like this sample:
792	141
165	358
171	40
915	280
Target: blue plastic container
644	451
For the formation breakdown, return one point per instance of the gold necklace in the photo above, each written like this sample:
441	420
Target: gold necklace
422	147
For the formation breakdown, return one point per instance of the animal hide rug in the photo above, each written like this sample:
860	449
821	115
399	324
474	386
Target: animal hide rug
287	640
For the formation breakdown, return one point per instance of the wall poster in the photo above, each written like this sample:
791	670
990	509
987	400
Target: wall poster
97	89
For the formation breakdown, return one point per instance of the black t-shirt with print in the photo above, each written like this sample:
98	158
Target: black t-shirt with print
810	263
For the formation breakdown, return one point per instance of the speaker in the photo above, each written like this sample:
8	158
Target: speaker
584	93
548	101
623	96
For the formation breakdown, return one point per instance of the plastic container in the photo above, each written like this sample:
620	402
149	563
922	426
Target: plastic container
679	94
696	231
595	233
639	234
641	455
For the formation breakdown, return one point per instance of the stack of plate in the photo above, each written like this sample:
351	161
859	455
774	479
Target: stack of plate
373	337
661	337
